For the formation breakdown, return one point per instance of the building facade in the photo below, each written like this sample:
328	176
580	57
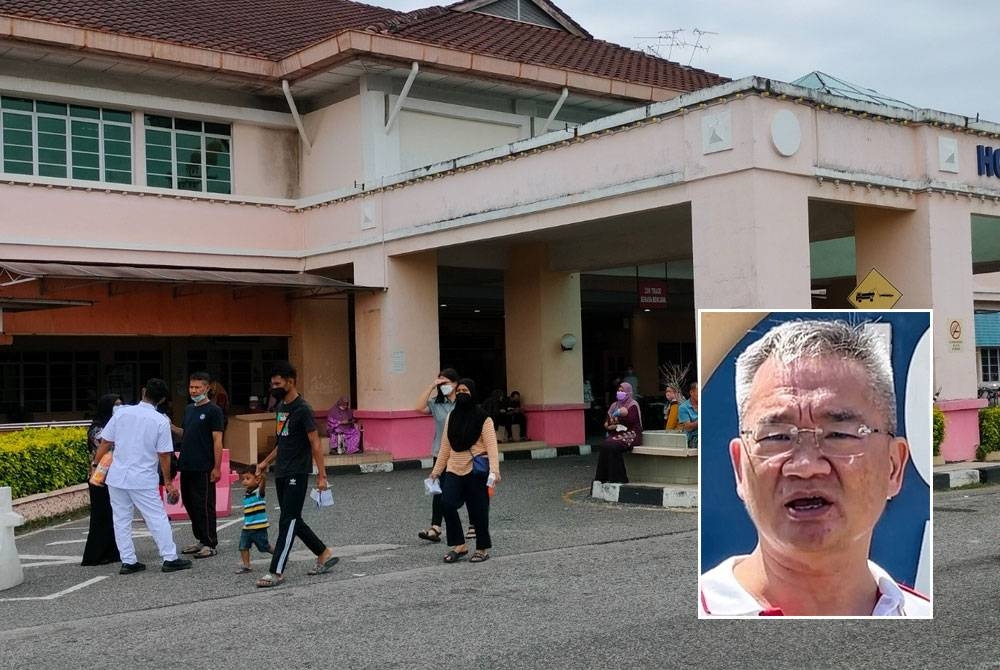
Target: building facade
412	164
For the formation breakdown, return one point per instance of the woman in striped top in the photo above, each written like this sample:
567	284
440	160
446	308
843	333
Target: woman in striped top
467	458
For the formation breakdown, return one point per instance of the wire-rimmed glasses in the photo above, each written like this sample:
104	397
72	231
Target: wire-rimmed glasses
838	439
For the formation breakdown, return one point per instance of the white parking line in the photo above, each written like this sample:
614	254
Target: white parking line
50	544
44	559
53	596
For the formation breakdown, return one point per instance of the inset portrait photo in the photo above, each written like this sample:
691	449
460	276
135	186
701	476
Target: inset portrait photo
815	482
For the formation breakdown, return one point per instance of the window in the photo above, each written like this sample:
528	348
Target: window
53	139
53	381
989	365
188	155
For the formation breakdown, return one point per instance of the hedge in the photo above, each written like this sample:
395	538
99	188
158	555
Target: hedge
989	431
37	460
938	430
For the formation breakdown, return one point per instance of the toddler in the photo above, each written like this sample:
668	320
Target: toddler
254	518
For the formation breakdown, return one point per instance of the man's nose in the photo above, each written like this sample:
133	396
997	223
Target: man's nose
807	459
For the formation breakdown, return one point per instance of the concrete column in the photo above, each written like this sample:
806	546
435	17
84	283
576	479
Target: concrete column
396	335
927	255
750	239
541	306
11	572
320	348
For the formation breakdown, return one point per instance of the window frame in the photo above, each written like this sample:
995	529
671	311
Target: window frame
204	137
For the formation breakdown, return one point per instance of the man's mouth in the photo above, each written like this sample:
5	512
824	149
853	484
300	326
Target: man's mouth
808	504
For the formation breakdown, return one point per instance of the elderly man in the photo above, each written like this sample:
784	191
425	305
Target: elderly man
816	460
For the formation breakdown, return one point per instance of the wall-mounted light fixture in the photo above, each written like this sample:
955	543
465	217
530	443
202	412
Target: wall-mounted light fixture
567	342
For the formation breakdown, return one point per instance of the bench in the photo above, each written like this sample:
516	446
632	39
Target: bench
663	458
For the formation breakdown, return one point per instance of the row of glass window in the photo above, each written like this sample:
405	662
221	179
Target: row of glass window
51	139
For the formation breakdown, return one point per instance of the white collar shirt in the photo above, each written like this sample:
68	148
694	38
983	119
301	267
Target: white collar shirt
721	595
140	434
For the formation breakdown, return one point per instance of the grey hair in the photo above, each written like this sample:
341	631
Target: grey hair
797	339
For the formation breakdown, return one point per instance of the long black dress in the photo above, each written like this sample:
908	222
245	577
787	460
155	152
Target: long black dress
101	547
611	461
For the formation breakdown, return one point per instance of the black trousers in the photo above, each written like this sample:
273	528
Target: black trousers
469	490
100	547
291	492
520	419
198	495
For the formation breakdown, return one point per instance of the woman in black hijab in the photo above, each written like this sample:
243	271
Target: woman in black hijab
100	548
468	459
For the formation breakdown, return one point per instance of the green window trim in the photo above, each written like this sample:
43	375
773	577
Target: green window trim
188	155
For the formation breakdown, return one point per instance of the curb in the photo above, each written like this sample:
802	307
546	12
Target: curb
428	463
982	474
54	503
658	495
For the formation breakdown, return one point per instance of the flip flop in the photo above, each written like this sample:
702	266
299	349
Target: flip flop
454	556
269	580
242	570
205	552
323	568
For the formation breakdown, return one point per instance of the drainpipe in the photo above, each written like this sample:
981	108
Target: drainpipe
402	96
555	110
295	115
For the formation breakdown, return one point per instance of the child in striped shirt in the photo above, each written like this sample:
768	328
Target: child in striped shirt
254	519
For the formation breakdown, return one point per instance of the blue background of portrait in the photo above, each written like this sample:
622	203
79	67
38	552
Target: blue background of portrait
726	528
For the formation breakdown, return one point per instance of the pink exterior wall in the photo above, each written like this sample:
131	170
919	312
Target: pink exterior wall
556	425
405	434
961	428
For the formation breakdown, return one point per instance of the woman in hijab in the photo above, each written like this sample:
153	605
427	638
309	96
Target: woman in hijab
468	458
340	423
624	426
100	548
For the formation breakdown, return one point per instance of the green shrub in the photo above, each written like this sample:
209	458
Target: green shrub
37	460
989	431
938	430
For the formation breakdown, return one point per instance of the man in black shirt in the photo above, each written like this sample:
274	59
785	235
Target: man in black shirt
297	448
200	465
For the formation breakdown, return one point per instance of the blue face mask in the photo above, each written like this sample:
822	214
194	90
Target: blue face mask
199	398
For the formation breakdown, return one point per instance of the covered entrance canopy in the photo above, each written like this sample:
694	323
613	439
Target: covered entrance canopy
12	273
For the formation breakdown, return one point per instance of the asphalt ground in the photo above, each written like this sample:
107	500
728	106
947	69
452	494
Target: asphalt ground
571	584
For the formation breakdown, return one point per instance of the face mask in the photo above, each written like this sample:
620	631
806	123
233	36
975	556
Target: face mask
279	393
446	389
622	396
463	399
198	398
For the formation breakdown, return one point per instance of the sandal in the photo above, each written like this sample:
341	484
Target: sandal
205	552
471	533
243	569
323	568
479	556
454	556
269	580
431	535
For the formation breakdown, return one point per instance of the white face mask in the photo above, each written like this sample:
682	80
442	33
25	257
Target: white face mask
446	389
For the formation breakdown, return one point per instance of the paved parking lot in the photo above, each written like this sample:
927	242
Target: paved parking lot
572	584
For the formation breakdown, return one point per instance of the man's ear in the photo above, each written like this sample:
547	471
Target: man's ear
899	454
736	457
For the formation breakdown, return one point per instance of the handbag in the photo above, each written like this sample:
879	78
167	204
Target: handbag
480	464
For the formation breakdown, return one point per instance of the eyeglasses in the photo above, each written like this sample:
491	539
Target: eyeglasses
834	440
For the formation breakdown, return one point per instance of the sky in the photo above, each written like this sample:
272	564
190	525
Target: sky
944	55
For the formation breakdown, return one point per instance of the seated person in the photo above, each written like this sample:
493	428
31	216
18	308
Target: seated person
672	395
340	424
687	416
624	426
494	407
512	413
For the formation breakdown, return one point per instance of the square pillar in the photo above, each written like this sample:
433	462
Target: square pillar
397	344
926	253
319	348
540	307
750	241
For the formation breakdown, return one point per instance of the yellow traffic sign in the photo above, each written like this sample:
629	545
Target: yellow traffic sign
874	292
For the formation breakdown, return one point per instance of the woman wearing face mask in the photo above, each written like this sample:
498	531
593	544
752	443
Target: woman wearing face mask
100	548
624	426
340	423
438	400
468	459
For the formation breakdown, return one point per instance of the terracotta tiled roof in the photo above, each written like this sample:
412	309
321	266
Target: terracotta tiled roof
269	29
274	29
528	43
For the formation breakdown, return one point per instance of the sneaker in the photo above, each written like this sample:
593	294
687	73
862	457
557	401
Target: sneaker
175	565
129	568
193	548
